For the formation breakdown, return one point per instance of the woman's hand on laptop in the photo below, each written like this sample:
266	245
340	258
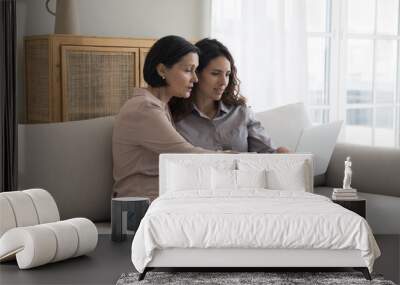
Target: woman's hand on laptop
230	151
282	149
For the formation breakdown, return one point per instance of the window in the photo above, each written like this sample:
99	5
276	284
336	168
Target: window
353	74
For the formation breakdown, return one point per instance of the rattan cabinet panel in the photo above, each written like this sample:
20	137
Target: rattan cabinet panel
98	81
37	89
75	77
143	54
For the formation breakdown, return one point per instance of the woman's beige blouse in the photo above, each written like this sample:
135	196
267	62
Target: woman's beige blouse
143	129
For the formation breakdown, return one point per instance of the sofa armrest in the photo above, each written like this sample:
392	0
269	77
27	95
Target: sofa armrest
376	170
73	161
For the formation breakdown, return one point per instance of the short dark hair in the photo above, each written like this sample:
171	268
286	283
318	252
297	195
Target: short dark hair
168	51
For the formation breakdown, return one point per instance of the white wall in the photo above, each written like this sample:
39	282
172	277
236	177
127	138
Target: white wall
126	18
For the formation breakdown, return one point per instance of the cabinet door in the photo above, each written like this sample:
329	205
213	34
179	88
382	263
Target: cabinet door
37	79
143	54
96	81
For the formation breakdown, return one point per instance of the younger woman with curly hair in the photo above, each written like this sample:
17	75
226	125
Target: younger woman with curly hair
216	116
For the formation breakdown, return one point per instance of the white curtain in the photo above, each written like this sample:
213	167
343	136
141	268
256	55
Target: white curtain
268	41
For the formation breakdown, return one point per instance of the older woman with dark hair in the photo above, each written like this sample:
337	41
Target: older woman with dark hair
216	116
143	128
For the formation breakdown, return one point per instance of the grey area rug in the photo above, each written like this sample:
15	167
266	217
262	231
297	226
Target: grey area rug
269	278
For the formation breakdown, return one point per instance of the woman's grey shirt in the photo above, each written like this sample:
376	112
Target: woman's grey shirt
233	128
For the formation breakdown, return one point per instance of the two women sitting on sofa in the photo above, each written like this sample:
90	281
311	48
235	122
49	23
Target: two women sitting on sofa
199	86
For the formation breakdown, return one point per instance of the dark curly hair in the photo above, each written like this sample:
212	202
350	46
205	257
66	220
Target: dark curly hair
209	50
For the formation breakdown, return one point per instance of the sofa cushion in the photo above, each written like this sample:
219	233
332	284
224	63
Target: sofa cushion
381	210
375	169
319	180
73	161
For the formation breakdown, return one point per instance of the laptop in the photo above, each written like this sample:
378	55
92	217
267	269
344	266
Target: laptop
291	127
285	124
320	141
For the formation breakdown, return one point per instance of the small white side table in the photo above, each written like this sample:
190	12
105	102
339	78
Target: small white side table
136	205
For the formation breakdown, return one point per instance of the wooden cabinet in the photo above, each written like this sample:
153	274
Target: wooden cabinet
77	77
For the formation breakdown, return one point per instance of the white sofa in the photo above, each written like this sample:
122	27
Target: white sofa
73	161
376	176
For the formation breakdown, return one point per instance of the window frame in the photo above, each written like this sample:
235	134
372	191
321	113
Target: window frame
336	69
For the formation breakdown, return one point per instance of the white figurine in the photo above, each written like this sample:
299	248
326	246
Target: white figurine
347	174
